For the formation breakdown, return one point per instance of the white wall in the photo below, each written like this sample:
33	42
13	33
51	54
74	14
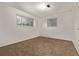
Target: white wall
76	28
64	30
9	32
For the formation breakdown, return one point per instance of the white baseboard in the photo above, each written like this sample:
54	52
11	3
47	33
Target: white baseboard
16	41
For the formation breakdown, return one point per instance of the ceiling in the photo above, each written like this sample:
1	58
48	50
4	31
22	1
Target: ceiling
39	9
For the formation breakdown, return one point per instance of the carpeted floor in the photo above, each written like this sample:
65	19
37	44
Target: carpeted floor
40	46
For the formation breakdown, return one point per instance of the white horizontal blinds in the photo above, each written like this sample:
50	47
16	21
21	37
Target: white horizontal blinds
52	22
21	20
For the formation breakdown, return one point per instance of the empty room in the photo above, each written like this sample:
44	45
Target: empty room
39	28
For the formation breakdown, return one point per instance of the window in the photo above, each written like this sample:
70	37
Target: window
52	22
26	21
19	20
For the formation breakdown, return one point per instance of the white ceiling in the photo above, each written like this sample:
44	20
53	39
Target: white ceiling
35	8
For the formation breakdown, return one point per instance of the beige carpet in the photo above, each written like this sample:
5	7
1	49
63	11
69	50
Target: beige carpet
40	46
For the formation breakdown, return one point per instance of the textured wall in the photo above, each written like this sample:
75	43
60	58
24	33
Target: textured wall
64	29
9	32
